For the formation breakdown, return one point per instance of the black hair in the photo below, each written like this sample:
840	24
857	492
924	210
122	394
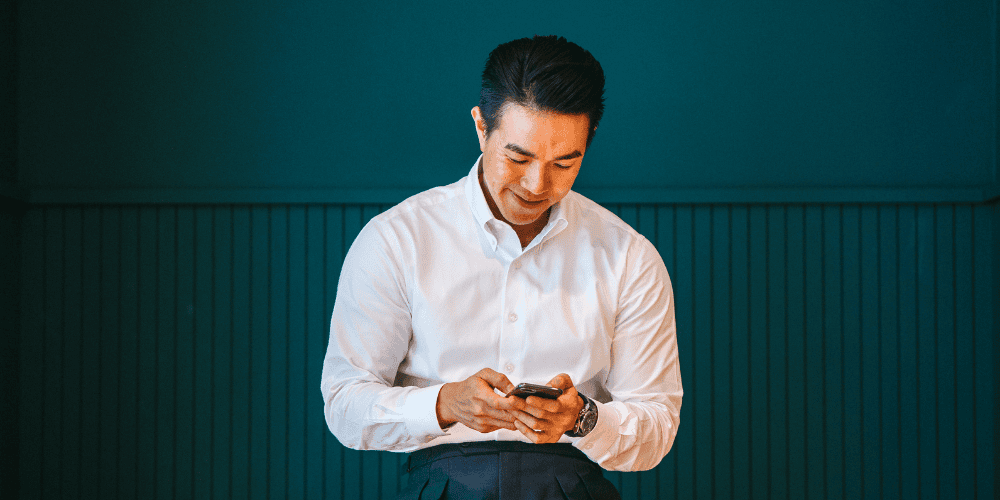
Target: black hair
548	73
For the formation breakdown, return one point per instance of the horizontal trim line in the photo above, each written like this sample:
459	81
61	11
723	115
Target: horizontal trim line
157	196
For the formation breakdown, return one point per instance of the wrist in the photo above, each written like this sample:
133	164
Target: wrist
444	417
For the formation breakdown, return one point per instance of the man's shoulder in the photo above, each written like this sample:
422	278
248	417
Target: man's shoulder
442	199
590	215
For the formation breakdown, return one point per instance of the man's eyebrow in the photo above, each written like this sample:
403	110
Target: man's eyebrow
519	150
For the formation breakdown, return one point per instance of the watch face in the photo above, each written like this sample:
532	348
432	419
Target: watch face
589	421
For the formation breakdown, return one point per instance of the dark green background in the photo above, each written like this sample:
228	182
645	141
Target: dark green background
343	95
181	180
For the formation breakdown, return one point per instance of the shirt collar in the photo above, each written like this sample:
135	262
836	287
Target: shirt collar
481	210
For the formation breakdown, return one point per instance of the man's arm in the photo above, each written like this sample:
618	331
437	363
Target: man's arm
637	428
369	337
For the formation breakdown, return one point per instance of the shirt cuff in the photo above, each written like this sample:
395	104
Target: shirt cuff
420	412
597	442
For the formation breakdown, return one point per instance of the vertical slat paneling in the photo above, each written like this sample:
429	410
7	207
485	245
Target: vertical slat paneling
296	351
146	363
739	285
240	361
222	341
89	351
52	361
870	343
278	332
814	385
827	352
926	359
833	349
777	352
260	352
986	256
34	323
945	350
909	369
166	352
720	330
888	333
702	381
965	451
852	328
795	420
109	285
316	335
128	453
758	327
204	338
183	411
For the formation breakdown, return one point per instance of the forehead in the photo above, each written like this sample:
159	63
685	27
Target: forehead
533	128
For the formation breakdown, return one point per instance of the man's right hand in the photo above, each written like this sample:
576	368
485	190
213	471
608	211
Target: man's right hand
474	403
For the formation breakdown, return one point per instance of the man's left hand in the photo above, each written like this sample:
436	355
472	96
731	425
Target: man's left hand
546	420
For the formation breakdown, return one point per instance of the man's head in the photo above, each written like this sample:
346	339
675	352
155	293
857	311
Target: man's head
540	104
546	73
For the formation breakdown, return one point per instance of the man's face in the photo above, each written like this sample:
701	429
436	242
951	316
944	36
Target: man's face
530	160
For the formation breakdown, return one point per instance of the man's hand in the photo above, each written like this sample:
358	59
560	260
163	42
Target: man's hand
473	402
545	420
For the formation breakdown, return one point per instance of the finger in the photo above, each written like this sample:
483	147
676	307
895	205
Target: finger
506	402
492	424
496	379
531	421
561	381
484	410
544	404
528	433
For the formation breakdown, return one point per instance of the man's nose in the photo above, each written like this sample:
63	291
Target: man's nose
535	178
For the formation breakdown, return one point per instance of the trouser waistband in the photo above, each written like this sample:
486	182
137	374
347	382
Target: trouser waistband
427	455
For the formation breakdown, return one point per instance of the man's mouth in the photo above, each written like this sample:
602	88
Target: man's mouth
528	202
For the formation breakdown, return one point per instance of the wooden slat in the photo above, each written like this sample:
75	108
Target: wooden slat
259	362
204	341
240	367
795	370
278	337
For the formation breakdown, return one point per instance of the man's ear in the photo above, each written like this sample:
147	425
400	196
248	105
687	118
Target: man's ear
477	117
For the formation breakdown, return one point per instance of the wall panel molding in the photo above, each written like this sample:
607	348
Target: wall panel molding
215	196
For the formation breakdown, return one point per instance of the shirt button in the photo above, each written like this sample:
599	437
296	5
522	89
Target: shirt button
512	317
508	368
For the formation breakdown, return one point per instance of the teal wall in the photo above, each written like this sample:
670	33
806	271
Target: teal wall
828	351
272	98
821	180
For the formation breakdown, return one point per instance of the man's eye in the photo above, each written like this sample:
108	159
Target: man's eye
563	166
519	162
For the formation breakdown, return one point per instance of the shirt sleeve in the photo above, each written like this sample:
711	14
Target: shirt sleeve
636	429
369	336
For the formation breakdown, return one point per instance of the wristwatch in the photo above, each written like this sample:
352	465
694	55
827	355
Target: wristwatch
587	419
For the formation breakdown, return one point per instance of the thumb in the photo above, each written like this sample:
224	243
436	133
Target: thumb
496	380
561	381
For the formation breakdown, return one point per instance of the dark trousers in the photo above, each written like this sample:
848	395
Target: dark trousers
504	470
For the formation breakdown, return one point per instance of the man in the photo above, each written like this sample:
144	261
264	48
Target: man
506	276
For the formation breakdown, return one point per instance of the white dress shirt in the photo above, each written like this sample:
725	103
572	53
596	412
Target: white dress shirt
435	289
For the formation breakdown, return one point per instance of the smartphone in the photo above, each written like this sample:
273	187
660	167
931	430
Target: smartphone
524	390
